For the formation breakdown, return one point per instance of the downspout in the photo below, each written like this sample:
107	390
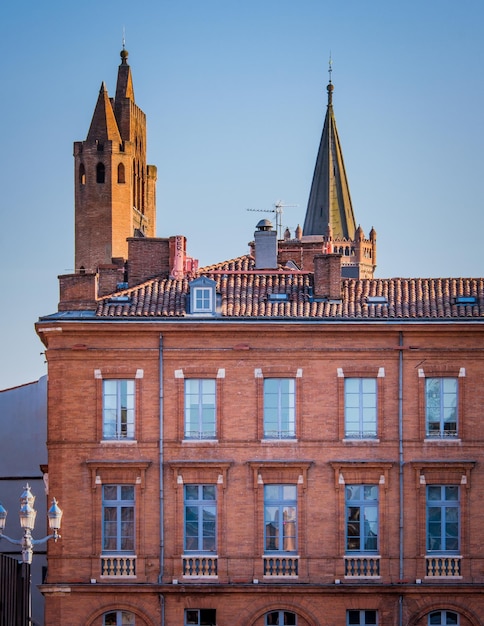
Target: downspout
162	606
400	470
162	525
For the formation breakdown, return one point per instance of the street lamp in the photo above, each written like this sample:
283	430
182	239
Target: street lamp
27	515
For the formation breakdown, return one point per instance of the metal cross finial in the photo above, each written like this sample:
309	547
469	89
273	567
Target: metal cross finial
330	66
124	37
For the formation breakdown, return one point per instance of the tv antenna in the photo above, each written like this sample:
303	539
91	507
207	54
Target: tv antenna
278	210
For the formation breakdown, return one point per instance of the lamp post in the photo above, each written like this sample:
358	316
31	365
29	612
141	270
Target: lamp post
27	516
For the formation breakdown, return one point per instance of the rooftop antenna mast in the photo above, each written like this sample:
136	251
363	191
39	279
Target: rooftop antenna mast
278	210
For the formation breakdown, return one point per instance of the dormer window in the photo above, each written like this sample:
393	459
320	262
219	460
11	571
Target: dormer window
202	296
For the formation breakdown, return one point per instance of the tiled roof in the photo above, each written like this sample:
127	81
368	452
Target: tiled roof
246	293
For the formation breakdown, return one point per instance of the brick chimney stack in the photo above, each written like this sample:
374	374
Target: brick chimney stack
327	276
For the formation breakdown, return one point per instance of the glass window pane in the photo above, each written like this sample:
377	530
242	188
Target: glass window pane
191	617
449	385
371	492
289	492
110	492
434	492
127	492
353	492
271	492
353	618
209	492
271	386
370	618
368	386
352	385
452	493
191	492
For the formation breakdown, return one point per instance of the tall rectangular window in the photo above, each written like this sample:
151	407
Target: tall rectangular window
360	408
280	518
441	407
118	409
443	518
200	408
361	618
361	518
279	408
118	518
200	617
200	518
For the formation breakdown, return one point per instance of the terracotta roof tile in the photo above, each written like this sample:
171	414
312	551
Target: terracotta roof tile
246	293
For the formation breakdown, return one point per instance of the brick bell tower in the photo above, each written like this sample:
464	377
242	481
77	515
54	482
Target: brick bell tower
115	190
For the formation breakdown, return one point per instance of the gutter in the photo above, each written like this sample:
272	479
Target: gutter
400	472
162	524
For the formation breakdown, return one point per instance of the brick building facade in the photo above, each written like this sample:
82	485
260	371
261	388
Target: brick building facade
264	440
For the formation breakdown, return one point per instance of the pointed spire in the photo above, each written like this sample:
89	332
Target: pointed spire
103	124
329	199
124	86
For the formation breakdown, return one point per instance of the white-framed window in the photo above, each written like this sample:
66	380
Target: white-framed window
200	526
443	519
200	408
361	408
202	298
280	618
441	402
280	518
119	618
279	408
443	618
200	617
363	617
118	409
361	518
118	519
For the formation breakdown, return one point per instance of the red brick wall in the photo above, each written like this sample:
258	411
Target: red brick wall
312	353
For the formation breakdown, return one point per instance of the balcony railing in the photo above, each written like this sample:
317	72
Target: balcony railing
362	566
443	566
200	565
280	565
118	565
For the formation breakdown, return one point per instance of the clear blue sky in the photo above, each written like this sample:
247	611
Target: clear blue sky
234	93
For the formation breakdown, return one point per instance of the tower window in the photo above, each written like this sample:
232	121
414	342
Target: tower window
121	174
82	174
100	173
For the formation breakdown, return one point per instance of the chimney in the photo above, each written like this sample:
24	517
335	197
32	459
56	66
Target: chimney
178	253
327	276
109	277
147	257
78	292
265	240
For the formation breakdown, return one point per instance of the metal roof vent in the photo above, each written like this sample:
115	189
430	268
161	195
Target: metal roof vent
264	225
